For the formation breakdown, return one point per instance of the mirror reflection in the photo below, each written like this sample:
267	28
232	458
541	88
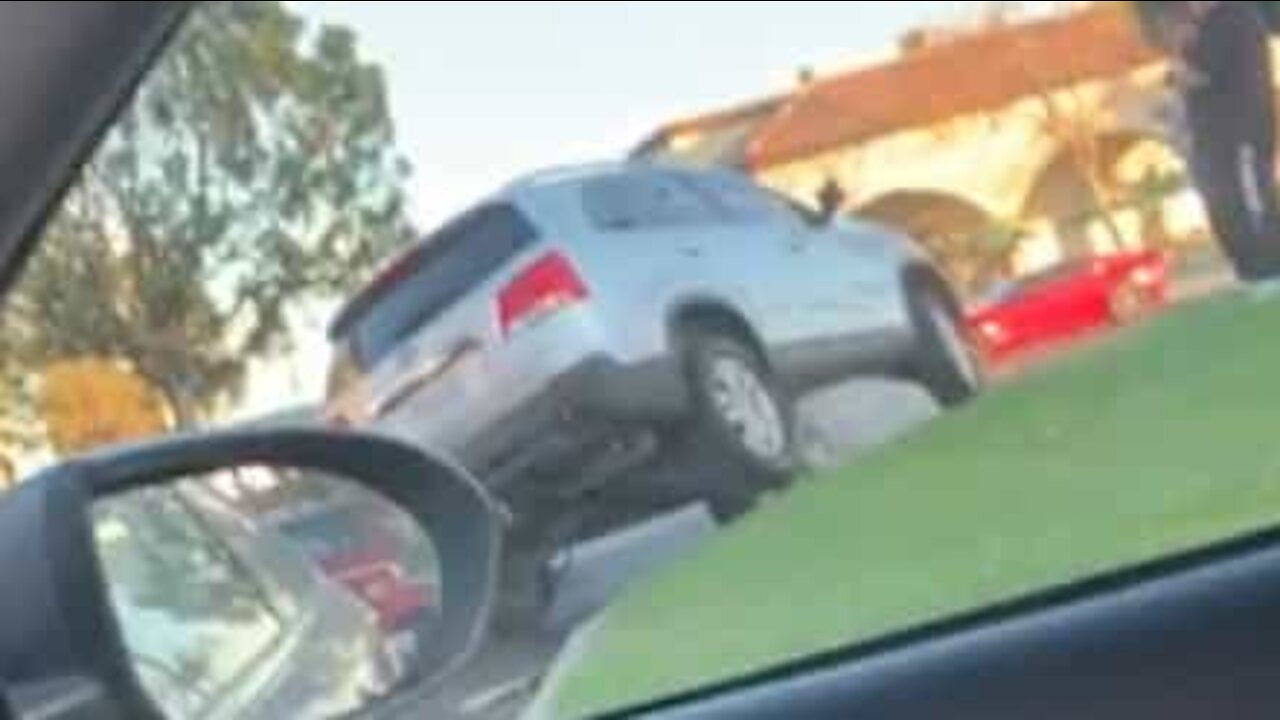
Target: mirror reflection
268	593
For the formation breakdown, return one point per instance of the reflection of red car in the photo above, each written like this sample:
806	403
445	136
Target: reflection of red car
375	578
1067	301
353	548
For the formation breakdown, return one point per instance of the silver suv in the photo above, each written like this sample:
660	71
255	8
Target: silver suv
579	334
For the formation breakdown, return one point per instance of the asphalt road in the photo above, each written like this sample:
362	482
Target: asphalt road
836	426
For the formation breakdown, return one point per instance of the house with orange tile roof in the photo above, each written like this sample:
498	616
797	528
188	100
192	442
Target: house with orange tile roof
1061	128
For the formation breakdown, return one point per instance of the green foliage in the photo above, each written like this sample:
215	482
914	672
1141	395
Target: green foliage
255	169
1001	238
86	404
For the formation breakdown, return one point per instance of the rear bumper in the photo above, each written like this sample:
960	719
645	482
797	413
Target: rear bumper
592	402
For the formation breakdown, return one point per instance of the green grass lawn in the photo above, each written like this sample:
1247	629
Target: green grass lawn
1162	440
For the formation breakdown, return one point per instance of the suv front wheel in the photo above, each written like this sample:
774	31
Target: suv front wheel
743	423
945	361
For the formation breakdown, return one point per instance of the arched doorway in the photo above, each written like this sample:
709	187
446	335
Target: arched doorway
961	237
1122	191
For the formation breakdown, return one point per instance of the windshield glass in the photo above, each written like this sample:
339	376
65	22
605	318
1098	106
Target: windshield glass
1011	289
771	332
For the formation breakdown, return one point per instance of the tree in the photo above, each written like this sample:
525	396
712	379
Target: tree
89	403
1077	125
1148	197
255	169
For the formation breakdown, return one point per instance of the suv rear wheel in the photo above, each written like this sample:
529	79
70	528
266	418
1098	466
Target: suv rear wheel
743	426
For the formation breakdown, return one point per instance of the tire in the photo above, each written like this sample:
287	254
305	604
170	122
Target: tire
945	361
526	592
743	429
1126	305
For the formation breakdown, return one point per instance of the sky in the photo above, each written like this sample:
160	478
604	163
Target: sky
482	92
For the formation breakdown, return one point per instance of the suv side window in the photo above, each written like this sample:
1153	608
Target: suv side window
740	199
807	215
643	202
737	199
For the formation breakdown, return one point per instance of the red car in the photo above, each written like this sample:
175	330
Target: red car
381	582
1068	301
353	548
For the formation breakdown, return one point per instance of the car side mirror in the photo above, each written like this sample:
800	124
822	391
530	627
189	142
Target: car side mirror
831	202
257	573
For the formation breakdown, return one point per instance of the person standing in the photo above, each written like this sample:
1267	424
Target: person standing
1222	67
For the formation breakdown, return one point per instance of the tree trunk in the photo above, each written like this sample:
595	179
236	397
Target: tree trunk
1100	206
182	407
185	415
1076	132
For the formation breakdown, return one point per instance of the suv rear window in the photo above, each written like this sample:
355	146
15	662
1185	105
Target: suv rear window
427	281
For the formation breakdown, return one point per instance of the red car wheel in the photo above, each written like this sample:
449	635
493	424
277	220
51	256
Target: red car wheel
1127	304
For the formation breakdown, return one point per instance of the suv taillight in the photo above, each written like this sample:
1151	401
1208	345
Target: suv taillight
544	288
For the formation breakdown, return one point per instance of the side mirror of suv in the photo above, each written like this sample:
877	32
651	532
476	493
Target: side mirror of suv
831	201
271	573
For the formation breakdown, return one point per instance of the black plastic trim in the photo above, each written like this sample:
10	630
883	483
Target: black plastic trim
56	620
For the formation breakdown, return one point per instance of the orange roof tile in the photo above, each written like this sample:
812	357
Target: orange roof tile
709	123
963	76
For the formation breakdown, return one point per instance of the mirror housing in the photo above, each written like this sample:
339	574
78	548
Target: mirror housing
62	654
831	201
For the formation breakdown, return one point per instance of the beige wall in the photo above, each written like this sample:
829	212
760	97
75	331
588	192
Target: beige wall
994	161
990	160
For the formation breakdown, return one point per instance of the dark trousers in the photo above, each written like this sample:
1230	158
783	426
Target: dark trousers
1236	178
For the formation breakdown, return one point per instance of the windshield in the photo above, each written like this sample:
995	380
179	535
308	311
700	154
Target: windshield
772	332
1013	288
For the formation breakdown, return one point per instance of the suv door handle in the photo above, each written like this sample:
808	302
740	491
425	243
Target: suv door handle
691	252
